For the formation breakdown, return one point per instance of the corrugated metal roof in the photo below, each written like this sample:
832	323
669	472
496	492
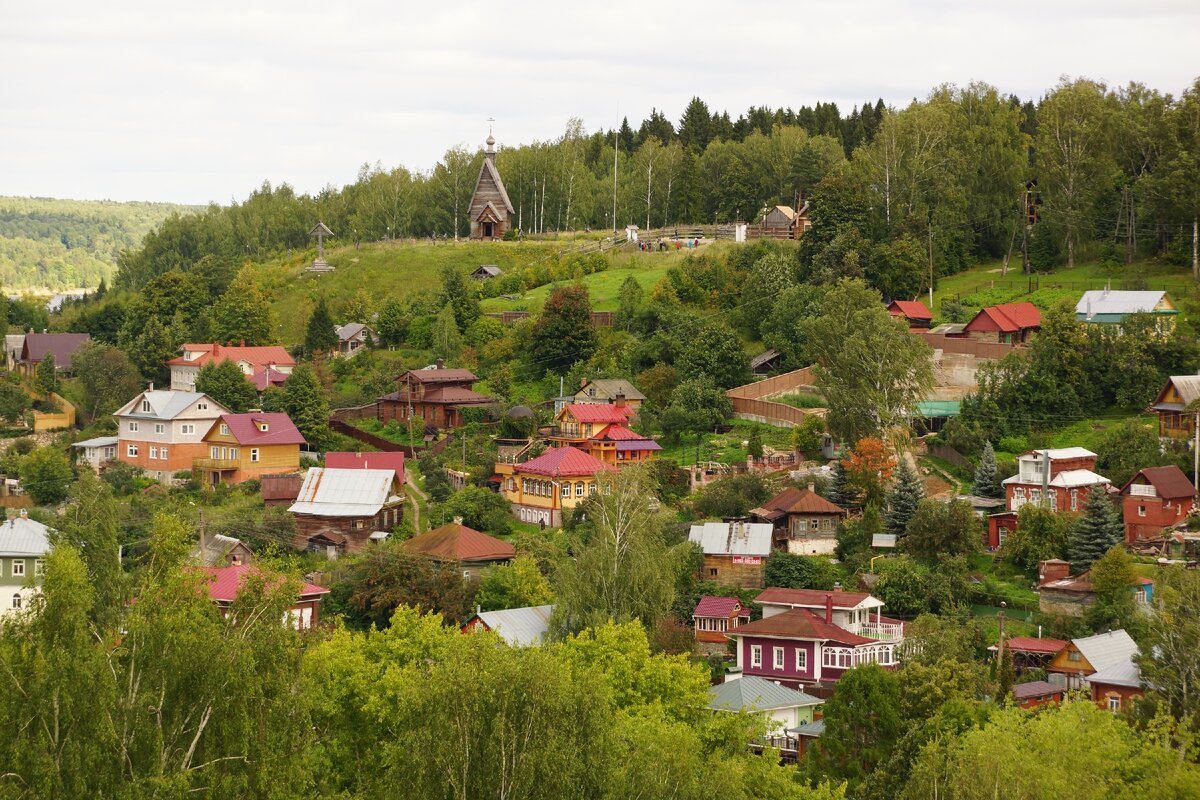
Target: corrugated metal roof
815	598
733	538
1121	673
1024	691
609	388
1105	649
21	536
1169	481
713	606
166	404
349	330
520	627
812	730
343	492
247	428
883	540
457	542
99	441
751	693
1103	301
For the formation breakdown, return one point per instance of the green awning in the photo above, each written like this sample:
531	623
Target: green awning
930	409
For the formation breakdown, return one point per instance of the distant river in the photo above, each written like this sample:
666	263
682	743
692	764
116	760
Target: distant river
54	301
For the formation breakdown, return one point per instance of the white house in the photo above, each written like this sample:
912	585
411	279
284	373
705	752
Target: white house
24	544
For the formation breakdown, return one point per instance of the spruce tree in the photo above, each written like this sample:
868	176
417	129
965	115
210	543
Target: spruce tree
1095	532
838	492
986	483
321	336
907	493
462	296
46	379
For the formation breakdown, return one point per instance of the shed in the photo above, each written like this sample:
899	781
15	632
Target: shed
486	271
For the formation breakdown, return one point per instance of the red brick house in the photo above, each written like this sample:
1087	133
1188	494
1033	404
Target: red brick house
1071	476
1007	323
914	311
714	617
1153	499
225	583
435	394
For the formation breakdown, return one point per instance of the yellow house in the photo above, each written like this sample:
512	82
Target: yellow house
617	445
578	422
246	446
541	489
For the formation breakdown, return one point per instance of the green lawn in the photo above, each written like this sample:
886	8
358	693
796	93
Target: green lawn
603	287
984	285
725	448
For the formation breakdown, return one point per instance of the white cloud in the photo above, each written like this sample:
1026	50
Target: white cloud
139	100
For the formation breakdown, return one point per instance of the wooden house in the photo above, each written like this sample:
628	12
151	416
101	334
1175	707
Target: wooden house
485	272
352	337
783	709
1036	694
804	523
1154	499
343	510
735	552
1111	309
1031	653
1007	323
714	617
1066	595
913	312
766	362
576	423
225	584
542	489
619	446
435	394
490	211
1086	656
248	446
61	346
1174	420
219	550
471	551
609	391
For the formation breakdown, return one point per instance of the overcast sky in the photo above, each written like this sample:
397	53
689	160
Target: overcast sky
199	102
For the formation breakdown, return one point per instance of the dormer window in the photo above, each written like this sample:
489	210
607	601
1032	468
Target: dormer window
224	429
262	426
145	405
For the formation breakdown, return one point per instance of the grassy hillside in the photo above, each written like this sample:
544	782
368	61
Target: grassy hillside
984	285
394	269
61	244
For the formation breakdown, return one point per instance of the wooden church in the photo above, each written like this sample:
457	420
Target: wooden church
491	210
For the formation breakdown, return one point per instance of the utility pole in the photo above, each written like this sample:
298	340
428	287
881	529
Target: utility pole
931	265
616	147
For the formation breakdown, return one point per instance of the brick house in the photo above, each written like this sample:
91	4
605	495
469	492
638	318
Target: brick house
435	394
248	446
162	431
1154	499
1007	323
735	552
803	522
1070	478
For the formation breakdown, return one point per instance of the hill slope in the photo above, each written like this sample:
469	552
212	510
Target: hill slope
64	244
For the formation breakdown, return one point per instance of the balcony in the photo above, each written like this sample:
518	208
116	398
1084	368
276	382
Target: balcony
215	464
880	631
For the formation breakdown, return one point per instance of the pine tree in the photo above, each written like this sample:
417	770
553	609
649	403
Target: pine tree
321	336
1097	530
907	493
839	493
986	483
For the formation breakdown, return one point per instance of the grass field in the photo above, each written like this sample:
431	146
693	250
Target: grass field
984	285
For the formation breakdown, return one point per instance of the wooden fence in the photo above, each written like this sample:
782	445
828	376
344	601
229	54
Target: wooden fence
600	319
748	402
369	411
387	445
968	347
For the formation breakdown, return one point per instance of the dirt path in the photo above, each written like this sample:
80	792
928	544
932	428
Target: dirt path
413	489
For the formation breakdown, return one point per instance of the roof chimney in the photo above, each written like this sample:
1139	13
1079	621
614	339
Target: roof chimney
812	487
150	387
458	520
439	364
583	383
619	400
828	609
243	343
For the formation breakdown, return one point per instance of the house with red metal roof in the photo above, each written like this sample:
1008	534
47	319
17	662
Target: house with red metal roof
617	445
225	584
263	366
576	423
804	522
801	648
468	548
558	480
913	311
1007	323
347	460
714	617
436	394
1154	499
1031	652
242	447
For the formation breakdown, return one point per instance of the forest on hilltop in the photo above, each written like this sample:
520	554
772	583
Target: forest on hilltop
1116	173
67	244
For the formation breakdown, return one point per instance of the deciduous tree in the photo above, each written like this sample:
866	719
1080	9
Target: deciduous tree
225	383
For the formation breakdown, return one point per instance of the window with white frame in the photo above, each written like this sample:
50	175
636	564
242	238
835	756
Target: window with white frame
131	450
1114	702
160	427
133	426
16	601
1141	511
187	428
153	453
778	654
214	451
579	488
39	567
145	405
254	454
233	453
565	489
224	429
801	660
162	453
18	567
756	655
591	489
